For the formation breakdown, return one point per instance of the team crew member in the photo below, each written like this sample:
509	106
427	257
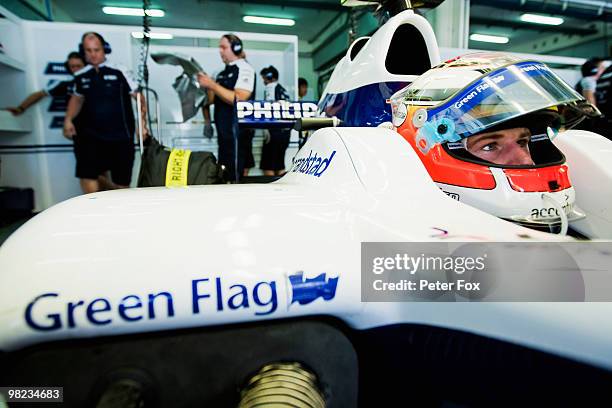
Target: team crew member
60	89
604	103
591	71
235	83
101	100
273	151
302	88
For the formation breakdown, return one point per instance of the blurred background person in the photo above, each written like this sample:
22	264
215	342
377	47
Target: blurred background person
591	70
603	95
104	138
74	62
277	140
302	88
235	83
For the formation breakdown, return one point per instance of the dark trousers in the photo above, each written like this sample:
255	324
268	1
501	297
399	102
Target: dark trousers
235	158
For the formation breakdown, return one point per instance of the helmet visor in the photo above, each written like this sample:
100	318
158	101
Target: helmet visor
501	95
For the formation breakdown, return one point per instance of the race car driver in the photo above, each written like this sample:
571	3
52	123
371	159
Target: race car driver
483	126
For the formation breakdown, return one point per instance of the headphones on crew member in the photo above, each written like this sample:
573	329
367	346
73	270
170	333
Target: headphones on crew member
235	43
105	45
269	72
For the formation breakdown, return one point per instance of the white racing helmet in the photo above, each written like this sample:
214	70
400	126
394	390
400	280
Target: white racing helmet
483	123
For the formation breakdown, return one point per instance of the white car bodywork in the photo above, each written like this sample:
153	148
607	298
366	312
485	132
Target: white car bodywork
368	65
589	156
149	241
146	260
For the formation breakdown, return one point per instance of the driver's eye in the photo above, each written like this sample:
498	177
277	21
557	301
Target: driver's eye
489	147
523	142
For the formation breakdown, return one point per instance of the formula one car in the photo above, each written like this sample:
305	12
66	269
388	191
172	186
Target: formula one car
251	295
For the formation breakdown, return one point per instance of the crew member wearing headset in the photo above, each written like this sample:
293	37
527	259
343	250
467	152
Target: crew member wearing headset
235	83
101	100
277	140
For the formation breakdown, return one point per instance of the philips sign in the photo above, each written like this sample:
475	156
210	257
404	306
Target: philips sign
261	110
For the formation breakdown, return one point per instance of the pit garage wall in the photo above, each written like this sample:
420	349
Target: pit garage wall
43	159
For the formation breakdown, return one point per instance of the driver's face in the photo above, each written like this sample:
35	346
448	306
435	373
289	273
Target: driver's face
504	147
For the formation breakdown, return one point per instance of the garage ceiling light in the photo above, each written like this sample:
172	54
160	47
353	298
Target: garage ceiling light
153	36
538	19
138	12
269	20
489	38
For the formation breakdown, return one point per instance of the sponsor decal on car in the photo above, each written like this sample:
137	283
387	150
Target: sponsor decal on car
454	196
550	212
312	165
50	311
305	290
261	297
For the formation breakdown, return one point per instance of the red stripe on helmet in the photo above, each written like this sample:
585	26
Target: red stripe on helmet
551	179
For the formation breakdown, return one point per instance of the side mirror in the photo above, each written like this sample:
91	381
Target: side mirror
303	124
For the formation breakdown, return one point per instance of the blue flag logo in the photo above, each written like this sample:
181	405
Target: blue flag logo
307	290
